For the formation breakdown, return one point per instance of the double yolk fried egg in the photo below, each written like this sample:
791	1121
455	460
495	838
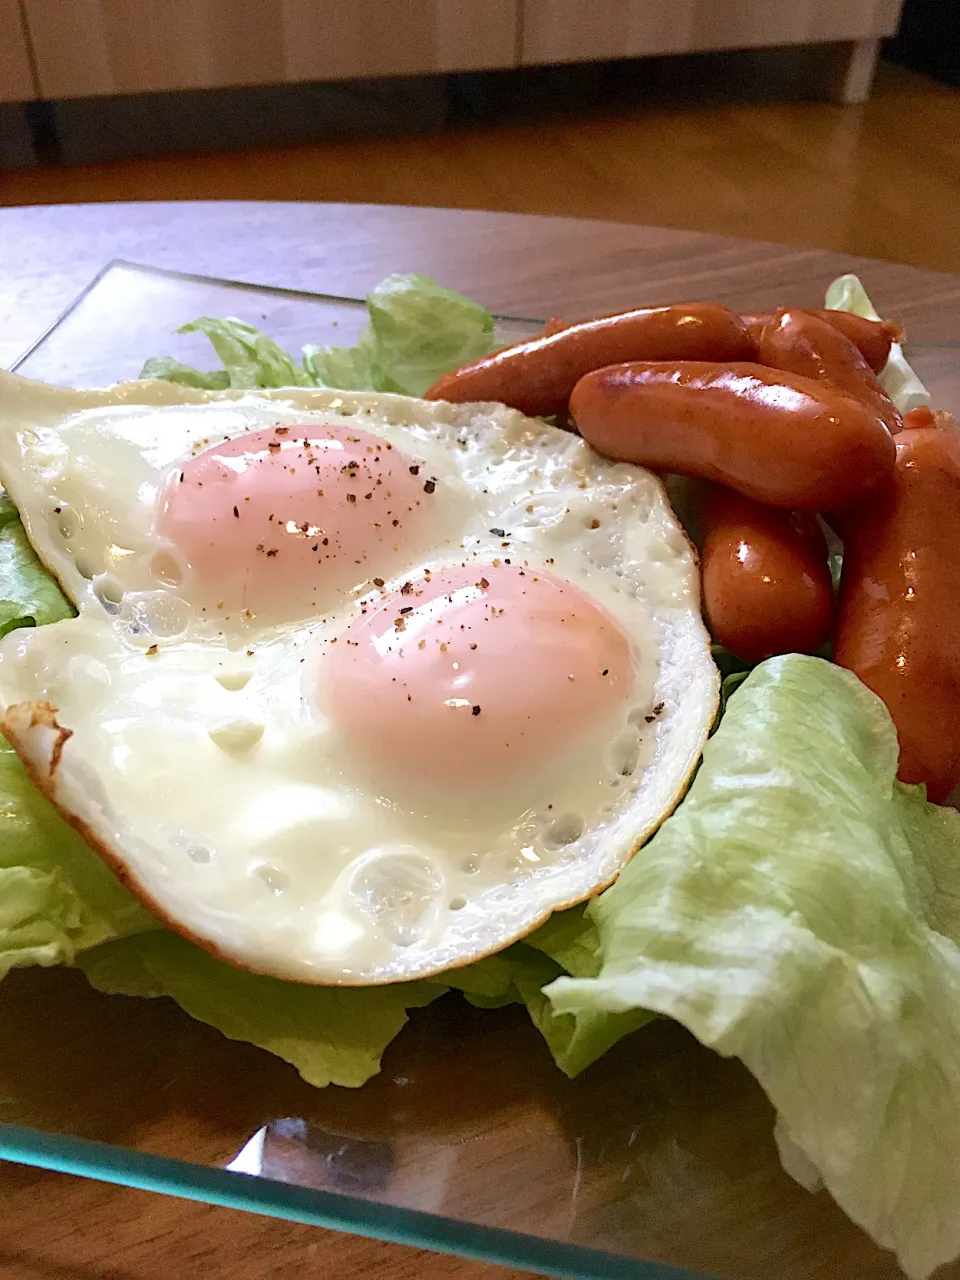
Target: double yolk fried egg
360	687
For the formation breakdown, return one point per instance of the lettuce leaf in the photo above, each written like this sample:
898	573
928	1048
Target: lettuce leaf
56	896
29	596
898	379
801	911
567	944
336	1035
417	330
332	1035
176	371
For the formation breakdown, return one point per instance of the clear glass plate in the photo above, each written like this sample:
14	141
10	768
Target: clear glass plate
657	1162
130	312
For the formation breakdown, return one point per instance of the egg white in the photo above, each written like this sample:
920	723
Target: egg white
187	754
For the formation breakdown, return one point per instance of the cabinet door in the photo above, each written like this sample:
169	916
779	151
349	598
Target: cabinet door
16	74
581	30
93	47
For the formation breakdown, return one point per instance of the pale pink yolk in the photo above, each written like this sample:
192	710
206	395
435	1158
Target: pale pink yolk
282	522
474	677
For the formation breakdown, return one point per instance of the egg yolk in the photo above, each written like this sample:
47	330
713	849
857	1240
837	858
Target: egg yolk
472	677
280	523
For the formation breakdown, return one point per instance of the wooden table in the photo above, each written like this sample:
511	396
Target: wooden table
708	1178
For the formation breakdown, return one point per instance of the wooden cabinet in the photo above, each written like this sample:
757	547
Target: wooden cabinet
92	48
85	48
16	73
581	30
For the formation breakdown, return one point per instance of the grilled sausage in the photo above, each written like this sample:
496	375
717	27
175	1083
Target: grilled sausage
873	338
776	437
898	620
766	577
800	342
538	376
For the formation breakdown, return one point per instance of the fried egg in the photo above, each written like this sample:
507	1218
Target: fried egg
360	687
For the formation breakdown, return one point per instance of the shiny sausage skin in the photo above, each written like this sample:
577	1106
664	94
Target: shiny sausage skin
776	437
924	416
800	342
873	338
766	577
537	377
898	621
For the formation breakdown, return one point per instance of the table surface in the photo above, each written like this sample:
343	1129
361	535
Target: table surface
513	263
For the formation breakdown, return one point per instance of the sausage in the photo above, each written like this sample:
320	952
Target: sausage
776	437
873	338
765	575
898	619
537	376
800	342
924	416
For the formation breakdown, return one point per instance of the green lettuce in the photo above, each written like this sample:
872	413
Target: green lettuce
416	331
56	896
898	379
250	359
801	911
332	1035
336	1035
29	596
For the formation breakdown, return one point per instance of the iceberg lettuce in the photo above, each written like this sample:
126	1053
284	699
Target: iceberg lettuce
416	331
801	911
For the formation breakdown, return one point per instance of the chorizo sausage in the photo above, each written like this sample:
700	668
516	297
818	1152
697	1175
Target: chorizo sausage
537	376
898	618
765	575
873	338
777	437
800	342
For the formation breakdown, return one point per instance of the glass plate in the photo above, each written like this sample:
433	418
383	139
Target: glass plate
130	312
657	1162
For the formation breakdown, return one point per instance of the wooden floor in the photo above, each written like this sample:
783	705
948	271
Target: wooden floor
882	179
